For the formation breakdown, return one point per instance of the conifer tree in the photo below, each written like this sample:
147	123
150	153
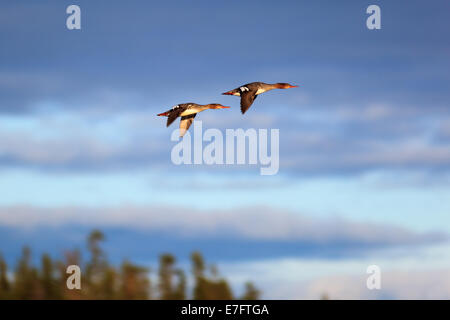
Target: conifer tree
166	262
135	283
4	281
180	291
205	288
25	278
251	293
97	280
49	283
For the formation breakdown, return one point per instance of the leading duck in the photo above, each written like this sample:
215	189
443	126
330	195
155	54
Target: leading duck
249	92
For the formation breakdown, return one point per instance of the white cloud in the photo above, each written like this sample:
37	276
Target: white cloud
398	284
424	275
252	223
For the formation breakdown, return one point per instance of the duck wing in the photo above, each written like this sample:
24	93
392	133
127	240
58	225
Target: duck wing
185	123
247	98
175	113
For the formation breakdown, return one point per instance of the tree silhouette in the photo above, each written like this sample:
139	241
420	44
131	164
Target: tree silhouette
208	288
167	275
251	293
49	282
102	280
135	284
26	278
4	282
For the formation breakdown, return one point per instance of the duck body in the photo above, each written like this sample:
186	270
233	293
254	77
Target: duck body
256	87
187	112
248	92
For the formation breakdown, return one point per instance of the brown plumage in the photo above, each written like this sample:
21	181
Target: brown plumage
187	112
250	91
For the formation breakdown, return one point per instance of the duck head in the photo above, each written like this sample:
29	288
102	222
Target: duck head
234	92
282	85
217	106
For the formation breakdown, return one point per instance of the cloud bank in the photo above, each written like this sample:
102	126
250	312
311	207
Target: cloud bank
254	223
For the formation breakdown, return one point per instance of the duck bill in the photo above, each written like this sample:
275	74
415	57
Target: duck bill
224	107
163	114
292	87
228	93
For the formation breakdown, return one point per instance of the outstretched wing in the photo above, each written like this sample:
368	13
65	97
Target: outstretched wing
247	98
174	113
185	123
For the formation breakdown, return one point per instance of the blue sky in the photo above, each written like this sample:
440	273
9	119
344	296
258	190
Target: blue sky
364	140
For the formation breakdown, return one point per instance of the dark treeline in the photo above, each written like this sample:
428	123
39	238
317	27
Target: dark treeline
101	280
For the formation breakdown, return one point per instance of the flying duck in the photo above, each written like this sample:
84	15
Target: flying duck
187	112
250	91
